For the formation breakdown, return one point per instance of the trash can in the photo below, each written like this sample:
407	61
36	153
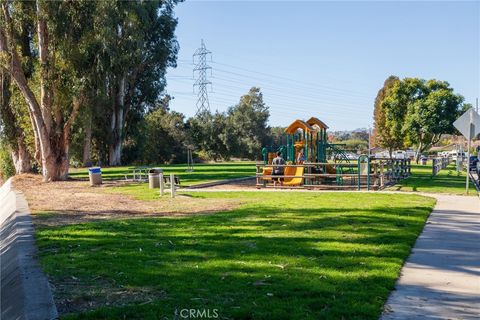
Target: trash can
154	178
424	161
95	176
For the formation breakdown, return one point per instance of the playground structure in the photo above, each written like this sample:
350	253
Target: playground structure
310	137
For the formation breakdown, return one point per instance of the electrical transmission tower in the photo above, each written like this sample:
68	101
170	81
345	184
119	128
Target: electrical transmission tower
201	81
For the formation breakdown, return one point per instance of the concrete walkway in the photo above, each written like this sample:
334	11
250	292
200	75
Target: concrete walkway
441	278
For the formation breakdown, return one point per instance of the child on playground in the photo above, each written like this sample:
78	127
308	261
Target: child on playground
300	158
278	171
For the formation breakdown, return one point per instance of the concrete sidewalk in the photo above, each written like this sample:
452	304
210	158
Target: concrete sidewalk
441	278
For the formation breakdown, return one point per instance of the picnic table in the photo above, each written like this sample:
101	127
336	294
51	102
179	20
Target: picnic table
138	173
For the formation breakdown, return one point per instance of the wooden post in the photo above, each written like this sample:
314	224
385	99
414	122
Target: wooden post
162	187
172	185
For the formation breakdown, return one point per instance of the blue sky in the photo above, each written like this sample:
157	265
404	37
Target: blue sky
324	59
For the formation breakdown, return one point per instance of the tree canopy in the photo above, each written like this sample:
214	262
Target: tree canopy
415	112
95	65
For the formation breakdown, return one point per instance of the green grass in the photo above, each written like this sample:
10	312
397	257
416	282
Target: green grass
202	172
281	255
447	181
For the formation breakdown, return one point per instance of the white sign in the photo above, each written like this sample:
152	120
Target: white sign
464	122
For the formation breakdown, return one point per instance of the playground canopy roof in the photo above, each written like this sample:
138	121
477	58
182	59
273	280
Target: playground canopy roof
306	126
315	121
299	124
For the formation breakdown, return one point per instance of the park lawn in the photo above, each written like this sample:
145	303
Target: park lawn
447	181
202	172
280	255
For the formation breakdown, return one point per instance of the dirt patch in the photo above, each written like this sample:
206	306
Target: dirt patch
73	295
71	202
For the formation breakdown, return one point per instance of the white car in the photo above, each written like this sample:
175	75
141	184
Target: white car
399	154
411	153
382	155
457	155
352	156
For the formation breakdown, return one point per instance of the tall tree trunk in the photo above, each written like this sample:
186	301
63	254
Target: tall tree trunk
13	133
87	142
53	142
21	157
418	153
117	124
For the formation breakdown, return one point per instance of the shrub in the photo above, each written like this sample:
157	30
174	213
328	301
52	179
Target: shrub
6	164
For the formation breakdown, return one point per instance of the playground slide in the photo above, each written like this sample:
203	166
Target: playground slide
293	171
267	172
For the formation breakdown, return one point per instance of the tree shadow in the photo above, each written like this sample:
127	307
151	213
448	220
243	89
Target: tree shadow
255	262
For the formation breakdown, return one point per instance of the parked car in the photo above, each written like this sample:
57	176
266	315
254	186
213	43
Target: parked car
411	153
399	154
352	156
457	155
473	163
382	155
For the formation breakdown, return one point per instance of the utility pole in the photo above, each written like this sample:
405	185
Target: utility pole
201	81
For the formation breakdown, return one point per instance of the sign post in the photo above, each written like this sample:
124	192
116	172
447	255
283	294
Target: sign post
469	126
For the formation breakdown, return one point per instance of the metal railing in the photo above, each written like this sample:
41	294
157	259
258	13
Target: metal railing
439	164
370	174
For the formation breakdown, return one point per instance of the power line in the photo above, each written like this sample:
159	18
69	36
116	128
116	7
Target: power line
279	78
283	94
200	69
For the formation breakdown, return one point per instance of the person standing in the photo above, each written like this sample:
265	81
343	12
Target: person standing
278	168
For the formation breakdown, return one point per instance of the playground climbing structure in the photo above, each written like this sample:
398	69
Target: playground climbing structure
324	164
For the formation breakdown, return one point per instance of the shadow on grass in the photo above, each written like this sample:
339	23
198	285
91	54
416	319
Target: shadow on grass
256	262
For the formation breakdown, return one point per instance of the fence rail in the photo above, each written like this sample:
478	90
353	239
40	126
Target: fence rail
439	164
371	174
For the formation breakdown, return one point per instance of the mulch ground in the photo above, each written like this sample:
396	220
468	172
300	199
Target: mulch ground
71	202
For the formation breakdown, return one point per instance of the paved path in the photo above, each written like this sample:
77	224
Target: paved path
441	278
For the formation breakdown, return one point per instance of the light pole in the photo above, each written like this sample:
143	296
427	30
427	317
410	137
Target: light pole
369	138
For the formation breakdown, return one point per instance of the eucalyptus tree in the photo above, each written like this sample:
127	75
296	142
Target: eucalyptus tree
107	57
17	134
137	45
14	126
54	96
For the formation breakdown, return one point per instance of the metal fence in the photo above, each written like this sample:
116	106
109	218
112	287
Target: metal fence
439	164
365	174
